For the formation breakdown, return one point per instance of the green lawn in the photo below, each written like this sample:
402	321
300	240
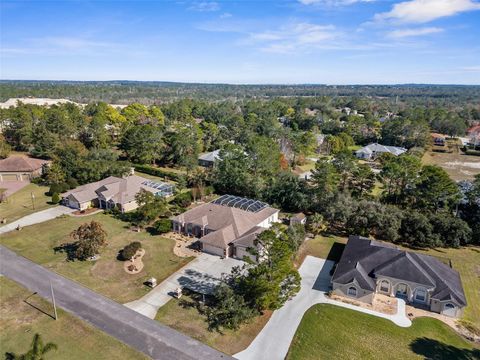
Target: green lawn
76	339
106	275
20	204
331	332
189	321
326	247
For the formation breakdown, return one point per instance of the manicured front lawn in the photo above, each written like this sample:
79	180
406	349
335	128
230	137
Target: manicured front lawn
20	203
76	340
190	322
331	332
105	275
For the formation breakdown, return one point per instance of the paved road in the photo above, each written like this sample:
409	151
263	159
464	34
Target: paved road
128	326
38	217
274	340
201	275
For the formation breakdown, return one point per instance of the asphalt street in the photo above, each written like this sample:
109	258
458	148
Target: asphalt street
139	332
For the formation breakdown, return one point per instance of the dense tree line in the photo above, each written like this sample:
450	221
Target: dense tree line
260	143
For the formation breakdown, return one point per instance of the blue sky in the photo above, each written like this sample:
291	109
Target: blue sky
269	41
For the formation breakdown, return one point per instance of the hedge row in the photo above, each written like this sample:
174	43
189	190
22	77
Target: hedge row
157	172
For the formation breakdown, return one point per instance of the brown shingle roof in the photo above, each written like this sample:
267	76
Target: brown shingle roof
21	163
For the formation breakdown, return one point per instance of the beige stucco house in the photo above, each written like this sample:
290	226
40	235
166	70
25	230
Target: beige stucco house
113	192
21	168
227	226
368	267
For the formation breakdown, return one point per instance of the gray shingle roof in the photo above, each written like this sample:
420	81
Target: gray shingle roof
364	259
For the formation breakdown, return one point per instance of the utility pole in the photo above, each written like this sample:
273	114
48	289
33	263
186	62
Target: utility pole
53	300
33	200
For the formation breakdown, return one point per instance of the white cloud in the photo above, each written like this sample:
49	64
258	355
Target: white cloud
225	15
292	37
332	2
64	45
204	6
422	11
402	33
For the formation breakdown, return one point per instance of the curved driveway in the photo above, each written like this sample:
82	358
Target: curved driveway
274	340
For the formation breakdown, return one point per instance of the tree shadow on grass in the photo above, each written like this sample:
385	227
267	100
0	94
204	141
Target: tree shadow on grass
432	349
67	248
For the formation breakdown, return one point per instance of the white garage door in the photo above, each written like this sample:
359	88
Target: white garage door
449	310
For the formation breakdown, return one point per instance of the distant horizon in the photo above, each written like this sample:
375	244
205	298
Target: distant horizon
234	84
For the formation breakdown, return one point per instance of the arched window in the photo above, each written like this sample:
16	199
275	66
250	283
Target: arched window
385	286
420	295
352	291
449	306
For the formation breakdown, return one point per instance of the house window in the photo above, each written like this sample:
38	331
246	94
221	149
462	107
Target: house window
352	291
385	286
420	295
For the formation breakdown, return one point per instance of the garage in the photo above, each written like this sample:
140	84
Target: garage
10	177
449	309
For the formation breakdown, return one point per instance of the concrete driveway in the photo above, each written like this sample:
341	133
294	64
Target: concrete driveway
200	275
274	340
38	217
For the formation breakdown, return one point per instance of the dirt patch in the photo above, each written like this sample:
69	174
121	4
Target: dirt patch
457	164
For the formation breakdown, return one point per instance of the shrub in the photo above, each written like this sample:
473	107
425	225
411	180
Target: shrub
183	199
163	226
58	188
72	183
130	250
55	198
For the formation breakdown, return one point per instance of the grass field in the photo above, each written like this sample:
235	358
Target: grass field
76	340
330	332
326	247
105	275
189	321
458	165
20	203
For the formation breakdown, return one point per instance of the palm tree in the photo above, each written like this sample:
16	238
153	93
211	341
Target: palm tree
36	352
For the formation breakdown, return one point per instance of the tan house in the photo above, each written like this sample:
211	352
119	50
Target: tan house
113	192
21	168
368	267
227	226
